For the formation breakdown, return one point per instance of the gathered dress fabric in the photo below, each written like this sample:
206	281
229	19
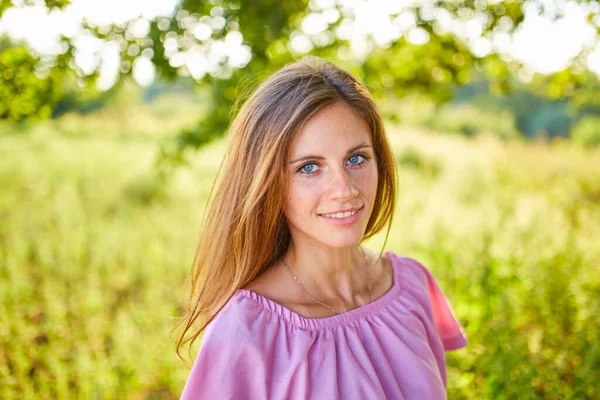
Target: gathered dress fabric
391	348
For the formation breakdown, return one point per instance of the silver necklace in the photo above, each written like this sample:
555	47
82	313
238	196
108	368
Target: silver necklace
323	304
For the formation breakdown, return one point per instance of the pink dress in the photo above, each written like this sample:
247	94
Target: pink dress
392	348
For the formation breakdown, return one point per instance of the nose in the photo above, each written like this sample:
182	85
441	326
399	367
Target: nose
342	185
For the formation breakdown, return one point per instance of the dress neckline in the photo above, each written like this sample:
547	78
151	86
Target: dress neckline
335	320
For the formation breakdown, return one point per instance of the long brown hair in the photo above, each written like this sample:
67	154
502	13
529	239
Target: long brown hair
244	230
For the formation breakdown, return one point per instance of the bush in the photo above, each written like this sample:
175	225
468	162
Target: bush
587	131
470	120
412	158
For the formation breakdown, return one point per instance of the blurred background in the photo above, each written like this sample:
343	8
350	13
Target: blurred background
112	117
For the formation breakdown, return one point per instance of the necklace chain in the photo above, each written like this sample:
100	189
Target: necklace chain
320	302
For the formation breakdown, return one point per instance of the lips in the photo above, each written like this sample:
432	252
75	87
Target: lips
340	220
343	211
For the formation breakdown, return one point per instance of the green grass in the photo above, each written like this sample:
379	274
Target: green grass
94	251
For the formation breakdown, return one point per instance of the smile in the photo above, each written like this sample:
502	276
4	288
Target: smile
340	214
343	218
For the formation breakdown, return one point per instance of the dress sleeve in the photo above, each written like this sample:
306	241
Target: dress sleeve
228	366
451	332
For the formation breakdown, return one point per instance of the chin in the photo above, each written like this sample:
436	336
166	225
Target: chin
341	240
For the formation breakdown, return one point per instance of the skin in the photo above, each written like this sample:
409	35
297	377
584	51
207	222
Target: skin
323	256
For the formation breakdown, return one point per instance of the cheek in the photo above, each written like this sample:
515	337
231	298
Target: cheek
366	180
303	195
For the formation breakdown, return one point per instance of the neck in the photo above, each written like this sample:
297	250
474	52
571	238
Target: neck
328	273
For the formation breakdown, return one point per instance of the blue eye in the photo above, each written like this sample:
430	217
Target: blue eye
356	159
308	168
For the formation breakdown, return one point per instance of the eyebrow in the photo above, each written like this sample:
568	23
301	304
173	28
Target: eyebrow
314	157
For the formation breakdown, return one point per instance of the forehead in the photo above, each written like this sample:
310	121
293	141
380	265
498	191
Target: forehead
335	127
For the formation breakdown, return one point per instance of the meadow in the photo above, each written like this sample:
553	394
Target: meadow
95	248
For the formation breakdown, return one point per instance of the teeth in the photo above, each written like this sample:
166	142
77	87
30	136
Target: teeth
341	214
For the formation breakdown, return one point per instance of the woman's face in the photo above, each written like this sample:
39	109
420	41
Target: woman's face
332	178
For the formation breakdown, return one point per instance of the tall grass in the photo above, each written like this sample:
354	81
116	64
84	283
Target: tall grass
95	248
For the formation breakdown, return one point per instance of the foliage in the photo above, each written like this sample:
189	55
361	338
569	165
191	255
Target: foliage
26	93
91	269
36	87
469	120
6	4
587	131
528	104
269	29
413	159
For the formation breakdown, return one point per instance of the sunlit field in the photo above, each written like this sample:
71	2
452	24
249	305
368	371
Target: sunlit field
95	249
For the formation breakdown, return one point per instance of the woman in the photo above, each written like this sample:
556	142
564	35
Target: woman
293	306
